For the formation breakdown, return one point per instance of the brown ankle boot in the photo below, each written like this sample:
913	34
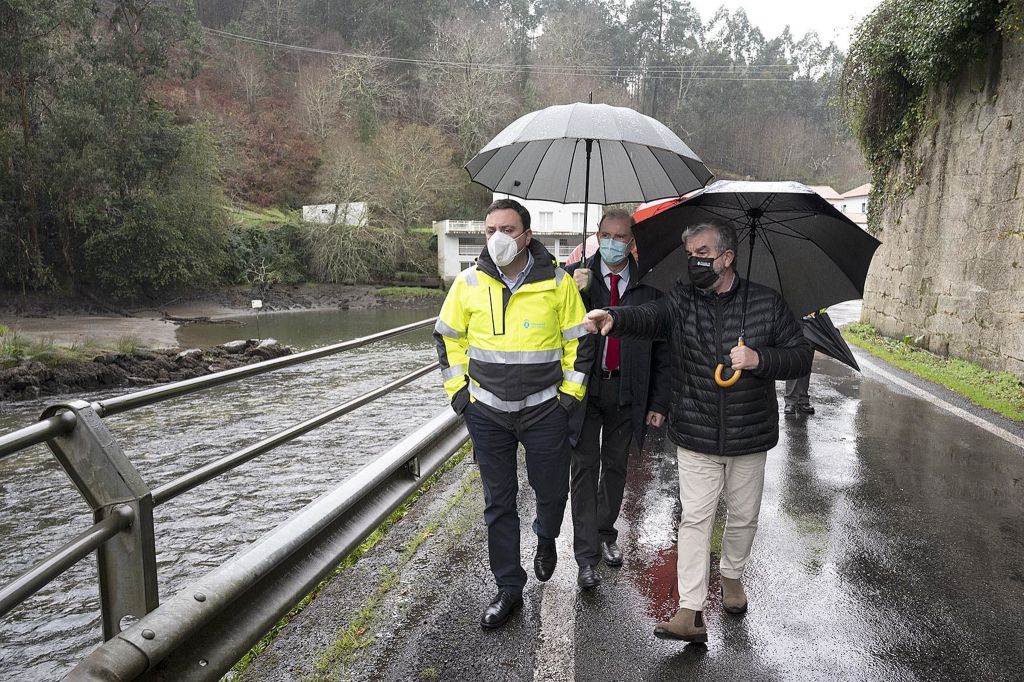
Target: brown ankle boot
734	599
687	625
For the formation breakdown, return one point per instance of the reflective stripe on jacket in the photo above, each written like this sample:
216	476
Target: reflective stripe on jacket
512	350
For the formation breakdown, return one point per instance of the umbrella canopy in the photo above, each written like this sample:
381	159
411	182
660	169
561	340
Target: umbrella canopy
645	211
791	239
550	154
824	336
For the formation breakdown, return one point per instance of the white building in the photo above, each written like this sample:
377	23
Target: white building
343	214
853	203
559	227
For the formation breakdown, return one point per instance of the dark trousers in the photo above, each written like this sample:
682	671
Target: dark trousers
796	391
547	467
599	471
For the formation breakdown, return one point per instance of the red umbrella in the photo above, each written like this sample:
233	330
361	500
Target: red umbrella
645	211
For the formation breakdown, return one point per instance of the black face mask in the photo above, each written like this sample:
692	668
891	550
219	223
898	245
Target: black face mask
702	272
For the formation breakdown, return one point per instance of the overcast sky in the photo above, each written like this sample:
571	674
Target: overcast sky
832	19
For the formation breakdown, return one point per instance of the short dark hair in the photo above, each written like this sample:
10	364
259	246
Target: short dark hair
725	234
618	214
502	204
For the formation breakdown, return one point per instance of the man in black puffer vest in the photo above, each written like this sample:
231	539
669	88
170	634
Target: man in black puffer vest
628	390
722	434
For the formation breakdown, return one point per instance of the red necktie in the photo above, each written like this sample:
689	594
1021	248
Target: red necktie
611	358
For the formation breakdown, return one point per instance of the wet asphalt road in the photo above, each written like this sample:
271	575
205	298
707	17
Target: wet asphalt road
890	546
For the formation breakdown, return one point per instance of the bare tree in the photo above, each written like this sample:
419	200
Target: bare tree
471	98
412	174
248	67
349	253
366	90
319	98
352	253
572	43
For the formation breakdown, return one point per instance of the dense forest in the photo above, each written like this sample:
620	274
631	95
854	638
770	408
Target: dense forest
148	145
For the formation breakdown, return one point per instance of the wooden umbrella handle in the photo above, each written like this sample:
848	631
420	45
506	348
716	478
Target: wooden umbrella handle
726	383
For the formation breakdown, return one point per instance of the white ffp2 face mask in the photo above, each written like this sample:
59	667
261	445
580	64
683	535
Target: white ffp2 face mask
503	249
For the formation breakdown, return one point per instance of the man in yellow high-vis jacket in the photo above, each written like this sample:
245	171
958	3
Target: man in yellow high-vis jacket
508	342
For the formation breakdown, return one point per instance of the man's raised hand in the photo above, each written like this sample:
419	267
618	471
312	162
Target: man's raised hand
598	322
582	278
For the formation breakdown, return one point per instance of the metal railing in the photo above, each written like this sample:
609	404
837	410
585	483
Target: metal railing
202	630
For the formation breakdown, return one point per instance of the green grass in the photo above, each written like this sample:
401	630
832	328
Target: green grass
407	293
358	634
352	641
1001	392
15	347
259	216
129	343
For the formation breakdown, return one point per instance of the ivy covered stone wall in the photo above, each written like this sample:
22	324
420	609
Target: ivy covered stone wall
950	271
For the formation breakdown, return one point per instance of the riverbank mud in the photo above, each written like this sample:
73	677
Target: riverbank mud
29	379
153	323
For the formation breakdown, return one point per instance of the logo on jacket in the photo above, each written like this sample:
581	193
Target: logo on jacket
527	324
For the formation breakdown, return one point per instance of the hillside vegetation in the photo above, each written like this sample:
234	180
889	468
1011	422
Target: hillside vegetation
156	145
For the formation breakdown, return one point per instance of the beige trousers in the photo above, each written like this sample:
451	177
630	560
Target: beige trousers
702	478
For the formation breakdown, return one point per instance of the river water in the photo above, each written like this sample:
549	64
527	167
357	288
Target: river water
40	509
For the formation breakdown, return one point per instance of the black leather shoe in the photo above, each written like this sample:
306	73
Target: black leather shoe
588	578
499	610
545	560
611	553
805	409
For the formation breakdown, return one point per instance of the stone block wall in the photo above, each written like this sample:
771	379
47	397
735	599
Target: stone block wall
951	266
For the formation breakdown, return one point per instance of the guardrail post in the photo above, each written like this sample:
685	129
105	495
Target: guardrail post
106	479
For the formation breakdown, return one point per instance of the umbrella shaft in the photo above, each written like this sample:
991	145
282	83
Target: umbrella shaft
586	196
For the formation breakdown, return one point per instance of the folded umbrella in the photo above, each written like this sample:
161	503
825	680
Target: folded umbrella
825	337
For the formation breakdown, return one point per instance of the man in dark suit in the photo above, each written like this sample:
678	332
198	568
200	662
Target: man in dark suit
624	397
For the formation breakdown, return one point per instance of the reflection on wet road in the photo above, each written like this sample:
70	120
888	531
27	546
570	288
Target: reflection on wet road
890	546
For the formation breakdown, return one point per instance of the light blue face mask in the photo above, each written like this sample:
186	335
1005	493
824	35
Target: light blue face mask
613	252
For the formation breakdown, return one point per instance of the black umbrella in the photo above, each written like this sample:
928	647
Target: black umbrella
824	336
790	239
583	153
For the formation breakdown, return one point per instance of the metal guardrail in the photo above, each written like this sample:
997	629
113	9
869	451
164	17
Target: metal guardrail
199	636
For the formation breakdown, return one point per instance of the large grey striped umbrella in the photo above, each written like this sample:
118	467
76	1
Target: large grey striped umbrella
573	153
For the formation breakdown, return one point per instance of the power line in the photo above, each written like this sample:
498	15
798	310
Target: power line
708	72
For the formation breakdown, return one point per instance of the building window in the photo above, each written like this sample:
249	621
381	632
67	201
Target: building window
546	220
464	265
863	207
471	246
577	220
